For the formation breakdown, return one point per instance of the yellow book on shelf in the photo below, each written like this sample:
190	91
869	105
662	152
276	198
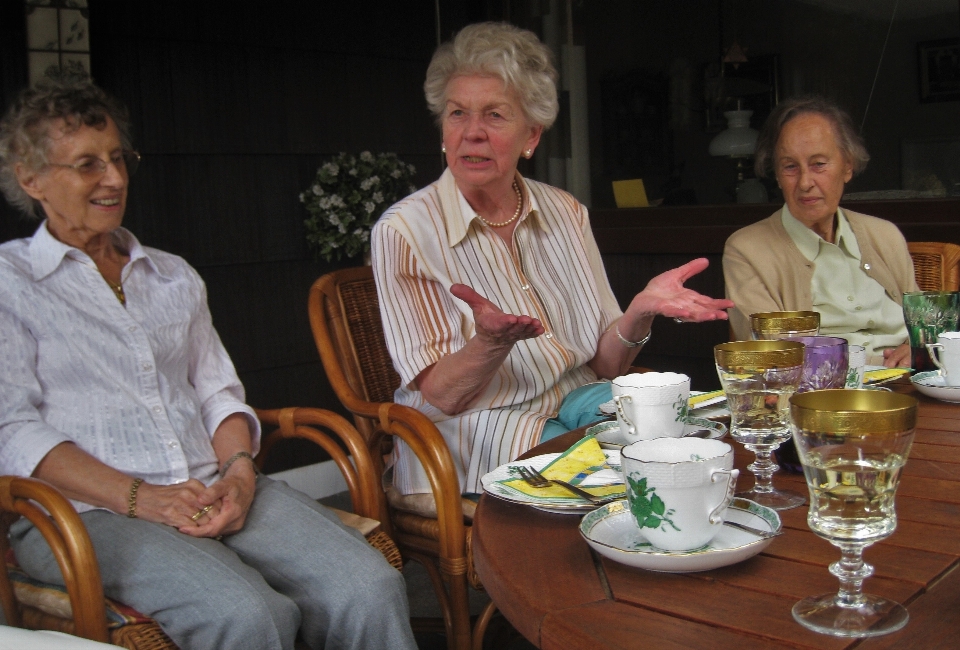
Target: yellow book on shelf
630	194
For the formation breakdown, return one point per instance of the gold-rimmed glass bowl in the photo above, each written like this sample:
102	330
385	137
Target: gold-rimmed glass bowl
758	379
770	325
853	445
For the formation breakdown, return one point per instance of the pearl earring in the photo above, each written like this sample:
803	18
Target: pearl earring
528	153
443	147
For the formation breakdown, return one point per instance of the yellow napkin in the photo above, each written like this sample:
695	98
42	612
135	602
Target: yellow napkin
873	376
572	466
696	400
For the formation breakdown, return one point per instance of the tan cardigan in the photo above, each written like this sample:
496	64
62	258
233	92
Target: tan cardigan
765	271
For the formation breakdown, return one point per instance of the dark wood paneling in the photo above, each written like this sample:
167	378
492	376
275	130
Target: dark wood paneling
703	229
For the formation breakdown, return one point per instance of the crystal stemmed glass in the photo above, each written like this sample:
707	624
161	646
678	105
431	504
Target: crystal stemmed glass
771	325
758	378
853	444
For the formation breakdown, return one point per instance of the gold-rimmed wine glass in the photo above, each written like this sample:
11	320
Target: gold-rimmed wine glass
758	379
770	325
853	445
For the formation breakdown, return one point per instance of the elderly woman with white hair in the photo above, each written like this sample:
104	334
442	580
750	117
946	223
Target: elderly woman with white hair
496	307
117	390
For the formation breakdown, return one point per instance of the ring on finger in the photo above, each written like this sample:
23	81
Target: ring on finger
201	512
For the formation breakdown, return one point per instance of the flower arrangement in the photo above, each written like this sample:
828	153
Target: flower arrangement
348	196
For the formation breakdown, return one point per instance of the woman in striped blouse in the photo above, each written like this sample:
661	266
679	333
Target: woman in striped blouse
497	310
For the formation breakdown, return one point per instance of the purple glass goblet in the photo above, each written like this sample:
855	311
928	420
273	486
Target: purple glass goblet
825	362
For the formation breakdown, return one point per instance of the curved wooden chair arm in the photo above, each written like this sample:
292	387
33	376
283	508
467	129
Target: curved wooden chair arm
361	475
424	440
68	539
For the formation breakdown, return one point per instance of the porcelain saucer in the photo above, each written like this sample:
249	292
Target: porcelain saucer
612	531
931	384
609	437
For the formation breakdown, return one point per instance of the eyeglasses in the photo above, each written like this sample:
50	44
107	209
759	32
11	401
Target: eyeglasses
92	168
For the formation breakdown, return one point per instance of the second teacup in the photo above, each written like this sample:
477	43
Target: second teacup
945	354
651	405
679	489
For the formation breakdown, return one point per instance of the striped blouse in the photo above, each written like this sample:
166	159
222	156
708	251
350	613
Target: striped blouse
433	239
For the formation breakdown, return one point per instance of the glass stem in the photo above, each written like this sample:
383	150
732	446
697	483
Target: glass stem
851	570
763	467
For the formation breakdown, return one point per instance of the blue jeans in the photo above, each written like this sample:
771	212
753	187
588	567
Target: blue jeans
578	409
294	566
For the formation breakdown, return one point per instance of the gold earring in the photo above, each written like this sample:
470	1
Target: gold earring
443	147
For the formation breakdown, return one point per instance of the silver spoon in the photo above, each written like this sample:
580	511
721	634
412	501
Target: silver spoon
762	534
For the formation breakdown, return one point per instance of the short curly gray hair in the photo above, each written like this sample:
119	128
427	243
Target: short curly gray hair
500	50
848	140
24	130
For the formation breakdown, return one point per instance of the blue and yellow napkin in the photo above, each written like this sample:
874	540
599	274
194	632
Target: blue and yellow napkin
580	465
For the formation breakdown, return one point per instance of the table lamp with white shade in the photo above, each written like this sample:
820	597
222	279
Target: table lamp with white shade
739	141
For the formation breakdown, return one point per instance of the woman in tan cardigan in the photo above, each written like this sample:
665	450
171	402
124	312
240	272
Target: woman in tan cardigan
811	255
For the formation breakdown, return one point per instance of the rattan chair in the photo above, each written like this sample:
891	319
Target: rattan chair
936	265
64	531
345	318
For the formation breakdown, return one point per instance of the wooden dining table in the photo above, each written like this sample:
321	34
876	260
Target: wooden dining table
558	593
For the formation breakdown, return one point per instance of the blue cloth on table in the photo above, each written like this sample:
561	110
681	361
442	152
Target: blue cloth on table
579	408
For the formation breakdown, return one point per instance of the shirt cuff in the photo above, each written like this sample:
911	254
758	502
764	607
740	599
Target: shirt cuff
216	411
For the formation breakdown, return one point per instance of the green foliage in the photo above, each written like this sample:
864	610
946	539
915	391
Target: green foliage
348	196
648	509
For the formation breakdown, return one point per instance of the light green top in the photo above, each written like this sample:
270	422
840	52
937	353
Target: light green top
852	305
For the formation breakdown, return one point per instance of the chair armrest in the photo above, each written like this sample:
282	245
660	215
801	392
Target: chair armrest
68	539
425	441
320	427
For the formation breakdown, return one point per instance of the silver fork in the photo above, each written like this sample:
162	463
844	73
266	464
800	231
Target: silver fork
533	478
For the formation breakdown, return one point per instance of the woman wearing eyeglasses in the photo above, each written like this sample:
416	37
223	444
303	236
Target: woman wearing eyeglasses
115	388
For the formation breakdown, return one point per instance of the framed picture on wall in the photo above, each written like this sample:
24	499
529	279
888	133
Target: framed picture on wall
939	66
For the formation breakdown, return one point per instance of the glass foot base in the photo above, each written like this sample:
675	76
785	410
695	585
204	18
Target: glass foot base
776	499
876	616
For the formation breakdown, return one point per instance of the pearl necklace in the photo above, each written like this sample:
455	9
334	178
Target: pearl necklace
516	215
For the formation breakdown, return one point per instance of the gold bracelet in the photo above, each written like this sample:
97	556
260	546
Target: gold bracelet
237	456
132	499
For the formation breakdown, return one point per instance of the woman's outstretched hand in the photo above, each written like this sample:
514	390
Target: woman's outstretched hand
665	295
493	326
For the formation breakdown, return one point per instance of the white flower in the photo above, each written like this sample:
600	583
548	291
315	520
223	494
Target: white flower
331	168
367	183
336	201
364	235
342	228
317	189
412	188
377	197
412	169
324	203
303	197
334	219
353	171
395	173
369	206
366	156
